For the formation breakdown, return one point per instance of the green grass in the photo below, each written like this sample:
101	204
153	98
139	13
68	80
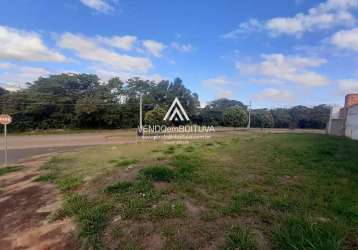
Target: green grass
70	182
91	217
299	233
241	201
240	238
6	170
124	162
167	210
45	178
119	187
288	191
158	173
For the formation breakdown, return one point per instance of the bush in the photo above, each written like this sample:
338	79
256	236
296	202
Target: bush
235	117
155	117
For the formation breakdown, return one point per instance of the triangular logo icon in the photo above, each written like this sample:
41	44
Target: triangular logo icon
176	112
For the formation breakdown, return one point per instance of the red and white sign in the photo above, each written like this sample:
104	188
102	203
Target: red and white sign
5	119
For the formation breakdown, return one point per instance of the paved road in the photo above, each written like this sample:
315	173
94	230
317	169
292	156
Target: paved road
25	146
80	139
16	155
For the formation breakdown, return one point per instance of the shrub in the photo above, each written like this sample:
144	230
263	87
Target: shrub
235	117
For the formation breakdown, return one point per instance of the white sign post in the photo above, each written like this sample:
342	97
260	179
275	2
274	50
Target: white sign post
5	120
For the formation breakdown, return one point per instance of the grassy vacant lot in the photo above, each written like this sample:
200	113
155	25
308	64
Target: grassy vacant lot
252	191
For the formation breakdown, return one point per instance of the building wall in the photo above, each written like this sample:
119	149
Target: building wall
336	127
351	125
351	100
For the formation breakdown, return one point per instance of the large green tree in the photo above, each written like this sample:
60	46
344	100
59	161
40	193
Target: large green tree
261	118
235	117
84	101
155	117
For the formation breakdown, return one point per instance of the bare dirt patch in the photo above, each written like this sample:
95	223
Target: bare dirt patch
25	209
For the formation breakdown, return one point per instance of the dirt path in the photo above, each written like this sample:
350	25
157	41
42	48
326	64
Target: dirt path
25	209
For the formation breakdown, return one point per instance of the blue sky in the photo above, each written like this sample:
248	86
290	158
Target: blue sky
274	53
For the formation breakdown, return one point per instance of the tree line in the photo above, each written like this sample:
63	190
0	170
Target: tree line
84	101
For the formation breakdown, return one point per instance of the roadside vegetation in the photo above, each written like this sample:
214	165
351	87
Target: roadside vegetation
9	169
251	191
76	102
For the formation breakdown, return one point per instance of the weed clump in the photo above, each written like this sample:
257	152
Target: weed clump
299	233
123	162
158	173
45	178
69	183
168	210
92	217
120	187
240	238
7	170
241	201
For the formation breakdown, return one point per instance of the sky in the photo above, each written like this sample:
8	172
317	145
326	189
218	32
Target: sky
275	53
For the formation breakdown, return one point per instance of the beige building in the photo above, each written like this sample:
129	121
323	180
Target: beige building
344	121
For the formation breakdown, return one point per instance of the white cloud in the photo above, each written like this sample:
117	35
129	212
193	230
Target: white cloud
348	86
294	69
25	46
89	49
274	95
15	76
6	65
98	5
224	94
324	16
153	47
218	85
106	75
347	39
250	26
121	42
182	47
217	81
266	81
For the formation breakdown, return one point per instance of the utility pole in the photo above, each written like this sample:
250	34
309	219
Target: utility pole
5	144
5	120
140	130
249	124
